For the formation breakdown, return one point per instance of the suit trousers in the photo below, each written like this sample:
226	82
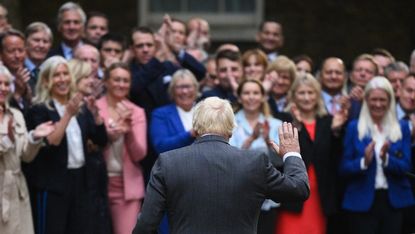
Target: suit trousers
382	218
124	213
62	213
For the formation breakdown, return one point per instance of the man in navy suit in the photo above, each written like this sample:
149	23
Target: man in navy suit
212	187
71	21
152	67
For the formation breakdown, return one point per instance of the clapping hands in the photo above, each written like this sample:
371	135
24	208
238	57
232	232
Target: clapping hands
122	125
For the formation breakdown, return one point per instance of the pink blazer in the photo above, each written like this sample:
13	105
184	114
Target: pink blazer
135	149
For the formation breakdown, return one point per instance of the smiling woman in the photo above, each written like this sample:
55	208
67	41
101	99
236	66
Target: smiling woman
57	175
15	146
377	155
319	141
127	131
255	128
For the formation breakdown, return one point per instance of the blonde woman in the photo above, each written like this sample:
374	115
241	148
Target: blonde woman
15	146
279	77
319	136
89	86
57	175
376	157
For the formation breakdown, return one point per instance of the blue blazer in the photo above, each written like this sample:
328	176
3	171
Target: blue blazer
360	185
167	131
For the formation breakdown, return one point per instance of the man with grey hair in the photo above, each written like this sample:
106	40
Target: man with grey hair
212	187
38	42
396	73
71	21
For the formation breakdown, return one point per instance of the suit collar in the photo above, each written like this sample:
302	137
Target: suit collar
211	137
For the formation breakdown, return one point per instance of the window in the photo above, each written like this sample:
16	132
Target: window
229	19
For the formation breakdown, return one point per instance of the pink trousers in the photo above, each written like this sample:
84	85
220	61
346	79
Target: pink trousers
124	213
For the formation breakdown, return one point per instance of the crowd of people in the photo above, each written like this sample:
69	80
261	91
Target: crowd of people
81	124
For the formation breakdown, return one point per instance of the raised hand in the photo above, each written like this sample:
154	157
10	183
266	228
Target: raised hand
115	131
288	136
295	112
110	60
74	104
98	88
125	116
257	131
384	151
269	80
357	93
43	130
369	150
265	131
22	77
340	117
90	104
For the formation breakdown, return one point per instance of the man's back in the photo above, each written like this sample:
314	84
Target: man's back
212	187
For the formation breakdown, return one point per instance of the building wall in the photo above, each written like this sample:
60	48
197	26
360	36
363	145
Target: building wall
343	28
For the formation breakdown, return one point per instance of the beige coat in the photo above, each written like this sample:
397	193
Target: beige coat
15	211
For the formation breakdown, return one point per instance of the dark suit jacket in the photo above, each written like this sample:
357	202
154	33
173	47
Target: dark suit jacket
148	89
324	154
56	51
212	187
49	168
283	116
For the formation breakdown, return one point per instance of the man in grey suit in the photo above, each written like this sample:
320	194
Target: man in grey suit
212	187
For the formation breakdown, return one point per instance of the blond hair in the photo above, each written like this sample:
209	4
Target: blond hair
44	84
6	73
213	116
283	64
390	124
79	69
310	81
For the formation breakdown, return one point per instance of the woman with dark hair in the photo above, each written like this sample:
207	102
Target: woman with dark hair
126	127
255	128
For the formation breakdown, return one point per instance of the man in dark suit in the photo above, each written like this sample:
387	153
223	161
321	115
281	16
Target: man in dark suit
71	21
212	187
405	110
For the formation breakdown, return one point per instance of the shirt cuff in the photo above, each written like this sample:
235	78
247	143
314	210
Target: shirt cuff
289	154
32	139
362	164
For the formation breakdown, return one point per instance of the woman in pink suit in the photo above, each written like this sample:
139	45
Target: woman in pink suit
126	127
